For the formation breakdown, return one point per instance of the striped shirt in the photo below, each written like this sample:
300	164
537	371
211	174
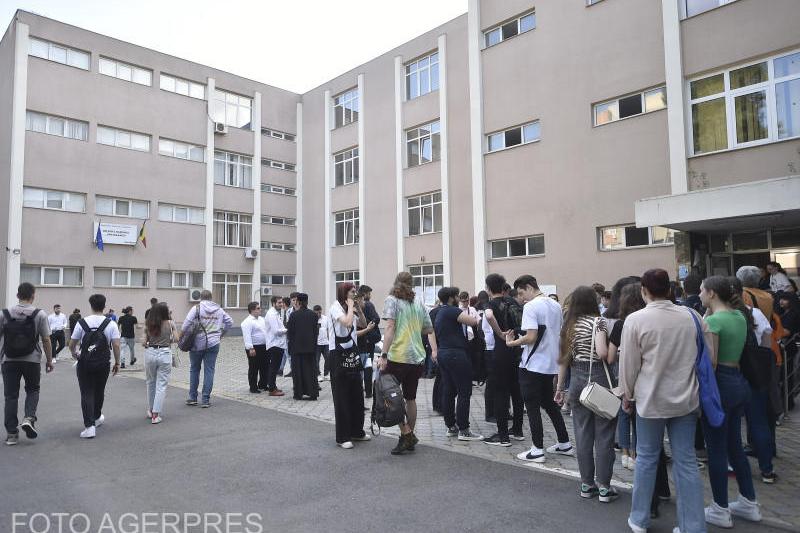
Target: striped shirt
581	340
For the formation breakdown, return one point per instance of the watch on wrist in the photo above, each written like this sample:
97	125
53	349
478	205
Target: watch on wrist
385	355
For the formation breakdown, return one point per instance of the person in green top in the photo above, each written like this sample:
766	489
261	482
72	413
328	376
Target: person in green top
729	328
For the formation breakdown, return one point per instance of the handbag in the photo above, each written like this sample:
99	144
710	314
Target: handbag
757	361
186	341
595	397
710	402
176	355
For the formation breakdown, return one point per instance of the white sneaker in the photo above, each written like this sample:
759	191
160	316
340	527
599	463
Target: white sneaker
100	421
718	516
156	420
88	433
635	528
624	460
346	445
149	414
561	449
365	438
534	455
744	508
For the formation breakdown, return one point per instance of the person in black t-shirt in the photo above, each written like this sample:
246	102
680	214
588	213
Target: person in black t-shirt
127	325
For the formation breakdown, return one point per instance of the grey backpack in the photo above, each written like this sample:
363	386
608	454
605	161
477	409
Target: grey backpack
388	405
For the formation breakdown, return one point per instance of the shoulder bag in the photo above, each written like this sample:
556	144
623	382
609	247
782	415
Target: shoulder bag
595	397
710	401
186	341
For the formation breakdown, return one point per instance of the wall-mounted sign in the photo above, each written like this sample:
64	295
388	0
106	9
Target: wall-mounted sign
126	234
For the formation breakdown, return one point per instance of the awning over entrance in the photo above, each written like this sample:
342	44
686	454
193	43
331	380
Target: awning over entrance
746	206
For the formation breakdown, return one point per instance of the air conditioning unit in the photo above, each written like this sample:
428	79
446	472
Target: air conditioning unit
194	294
266	291
250	253
221	128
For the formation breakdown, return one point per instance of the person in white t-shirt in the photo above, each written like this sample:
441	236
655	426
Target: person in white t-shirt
58	322
323	349
91	370
541	321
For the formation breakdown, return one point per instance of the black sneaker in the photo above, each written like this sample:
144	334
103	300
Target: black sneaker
516	434
255	391
412	441
122	365
191	402
497	440
403	445
608	495
452	431
589	491
28	428
12	439
770	478
133	361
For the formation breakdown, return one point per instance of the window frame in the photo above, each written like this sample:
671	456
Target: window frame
275	134
42	268
281	165
117	135
270	219
643	102
518	20
269	279
225	99
133	69
243	238
115	200
45	199
128	272
347	276
650	229
189	209
30	115
349	100
436	155
278	189
507	241
350	155
349	220
522	136
189	85
232	280
174	151
67	50
684	8
239	178
278	246
419	209
415	67
437	271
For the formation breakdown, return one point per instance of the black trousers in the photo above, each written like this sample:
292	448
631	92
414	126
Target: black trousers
92	384
488	388
537	393
257	368
274	356
348	401
322	350
506	388
13	373
304	376
437	401
57	340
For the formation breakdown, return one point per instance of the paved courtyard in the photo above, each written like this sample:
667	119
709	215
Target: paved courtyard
780	502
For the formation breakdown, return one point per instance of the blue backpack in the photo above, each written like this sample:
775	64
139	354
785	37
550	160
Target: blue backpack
709	391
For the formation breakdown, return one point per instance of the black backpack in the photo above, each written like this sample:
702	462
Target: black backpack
19	335
388	405
95	350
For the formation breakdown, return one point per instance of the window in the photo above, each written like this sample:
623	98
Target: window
275	134
123	139
629	106
182	86
422	76
509	29
280	246
59	126
691	8
422	144
349	276
232	109
232	229
120	277
425	214
59	54
181	150
120	207
232	290
428	279
277	279
629	236
345	108
346	225
181	213
517	247
233	170
124	71
524	134
280	221
278	164
277	189
168	279
49	199
53	276
751	104
345	167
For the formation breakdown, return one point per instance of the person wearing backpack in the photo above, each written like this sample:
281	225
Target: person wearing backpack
97	336
21	328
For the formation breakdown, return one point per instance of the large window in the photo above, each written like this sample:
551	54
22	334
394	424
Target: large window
182	86
181	213
630	106
271	163
49	199
232	109
345	167
348	276
422	76
428	279
425	214
232	229
629	236
517	247
422	144
59	54
124	71
178	279
59	126
123	139
122	207
345	108
52	276
278	189
691	8
120	277
181	150
346	227
275	134
509	29
277	246
278	221
232	290
753	104
233	170
277	279
527	133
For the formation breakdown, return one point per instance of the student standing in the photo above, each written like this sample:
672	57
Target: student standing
302	343
57	322
276	344
158	359
127	329
254	335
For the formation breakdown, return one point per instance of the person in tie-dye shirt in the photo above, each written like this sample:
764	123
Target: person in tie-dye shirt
403	353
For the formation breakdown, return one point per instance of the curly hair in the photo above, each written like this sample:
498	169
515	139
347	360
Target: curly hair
402	288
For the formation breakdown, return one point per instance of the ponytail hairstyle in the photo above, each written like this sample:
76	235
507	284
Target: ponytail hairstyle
736	286
721	285
582	302
402	288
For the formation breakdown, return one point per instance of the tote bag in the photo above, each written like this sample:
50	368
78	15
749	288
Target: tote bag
709	390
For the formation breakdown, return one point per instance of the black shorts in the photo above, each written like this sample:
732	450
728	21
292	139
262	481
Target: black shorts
408	375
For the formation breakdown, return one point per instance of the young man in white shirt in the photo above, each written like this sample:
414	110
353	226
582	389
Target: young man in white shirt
275	342
98	336
254	334
541	321
57	322
322	343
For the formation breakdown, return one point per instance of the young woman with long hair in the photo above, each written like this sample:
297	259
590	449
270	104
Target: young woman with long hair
160	333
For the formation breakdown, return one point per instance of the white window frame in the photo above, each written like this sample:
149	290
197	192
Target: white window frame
174	275
275	134
291	167
415	136
46	198
349	221
507	242
530	132
423	68
348	104
60	269
175	84
116	202
243	237
68	124
487	34
669	238
285	279
643	102
124	71
684	8
347	276
173	148
235	282
278	189
192	213
70	54
342	161
120	136
128	273
230	108
278	246
278	220
239	163
730	95
424	204
424	276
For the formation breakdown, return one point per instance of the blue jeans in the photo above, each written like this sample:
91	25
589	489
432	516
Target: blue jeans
725	442
625	424
650	435
760	433
456	372
208	358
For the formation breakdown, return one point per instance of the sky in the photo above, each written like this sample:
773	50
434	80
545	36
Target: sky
292	44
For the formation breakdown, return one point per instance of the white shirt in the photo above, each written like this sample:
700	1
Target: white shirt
337	329
275	330
111	331
322	336
547	312
762	324
779	282
57	321
471	311
254	331
488	332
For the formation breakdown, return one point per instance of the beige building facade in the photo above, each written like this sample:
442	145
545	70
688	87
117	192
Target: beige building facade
577	141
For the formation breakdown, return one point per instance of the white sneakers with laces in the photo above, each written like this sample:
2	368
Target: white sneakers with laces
718	516
534	455
560	448
88	433
100	421
744	508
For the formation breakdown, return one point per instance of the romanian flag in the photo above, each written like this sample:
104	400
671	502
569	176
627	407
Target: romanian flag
142	236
